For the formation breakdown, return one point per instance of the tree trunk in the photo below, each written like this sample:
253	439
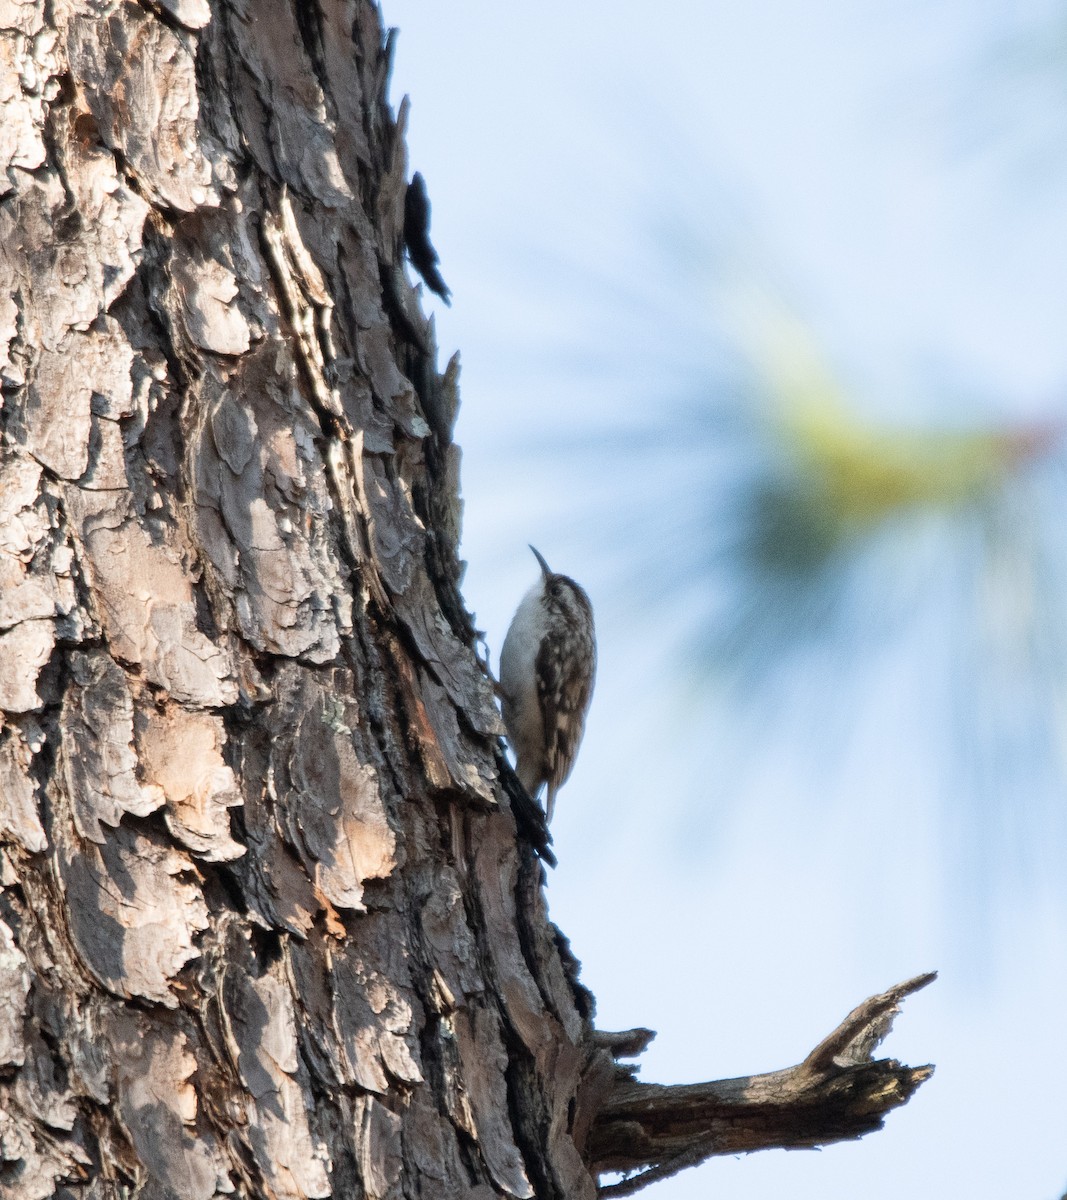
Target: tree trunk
272	918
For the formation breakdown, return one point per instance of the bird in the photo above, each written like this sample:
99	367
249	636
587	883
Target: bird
547	671
424	257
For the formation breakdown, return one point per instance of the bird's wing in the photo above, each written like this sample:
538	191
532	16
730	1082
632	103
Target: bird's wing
564	696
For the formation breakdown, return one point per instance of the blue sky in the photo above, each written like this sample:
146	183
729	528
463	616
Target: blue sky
724	878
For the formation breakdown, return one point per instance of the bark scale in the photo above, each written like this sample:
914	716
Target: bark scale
268	925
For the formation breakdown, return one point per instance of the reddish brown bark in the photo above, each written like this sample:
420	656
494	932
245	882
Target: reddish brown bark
268	926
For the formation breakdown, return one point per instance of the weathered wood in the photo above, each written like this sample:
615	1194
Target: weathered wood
272	922
837	1093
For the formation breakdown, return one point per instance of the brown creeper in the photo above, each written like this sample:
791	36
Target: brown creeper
547	668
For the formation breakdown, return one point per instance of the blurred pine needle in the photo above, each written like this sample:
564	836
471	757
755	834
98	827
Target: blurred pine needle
849	475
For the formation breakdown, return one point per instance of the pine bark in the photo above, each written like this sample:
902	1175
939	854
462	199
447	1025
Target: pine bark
272	922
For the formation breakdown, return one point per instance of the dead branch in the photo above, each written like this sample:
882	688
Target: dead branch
837	1093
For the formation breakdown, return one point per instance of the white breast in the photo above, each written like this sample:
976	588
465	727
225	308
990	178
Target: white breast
518	685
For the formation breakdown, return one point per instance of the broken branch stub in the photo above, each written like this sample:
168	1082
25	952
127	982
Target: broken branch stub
839	1092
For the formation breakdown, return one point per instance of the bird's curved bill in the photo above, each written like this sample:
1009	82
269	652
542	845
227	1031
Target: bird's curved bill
545	568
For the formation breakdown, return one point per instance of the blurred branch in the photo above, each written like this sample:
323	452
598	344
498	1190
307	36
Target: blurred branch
836	1094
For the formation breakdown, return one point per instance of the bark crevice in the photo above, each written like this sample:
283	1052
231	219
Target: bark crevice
271	920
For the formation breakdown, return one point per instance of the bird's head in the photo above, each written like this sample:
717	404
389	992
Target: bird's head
561	595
